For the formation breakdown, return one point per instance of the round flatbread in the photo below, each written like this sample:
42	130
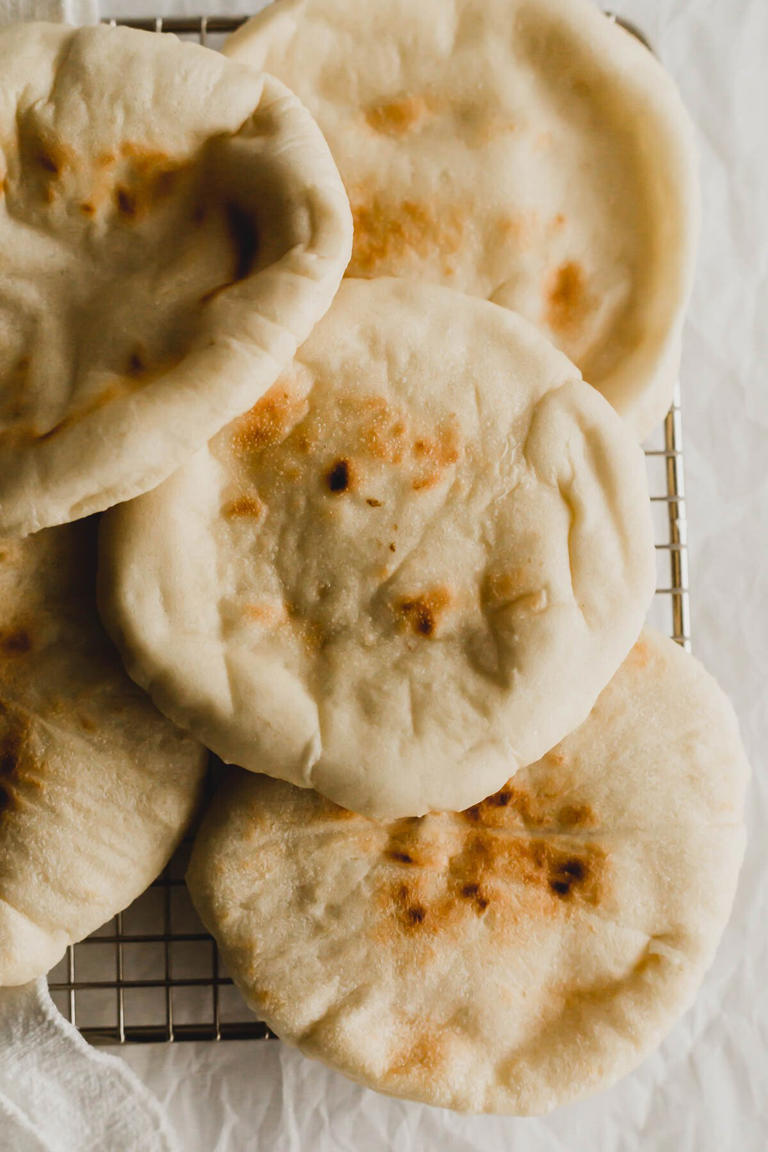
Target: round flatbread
512	957
528	151
413	565
96	787
171	226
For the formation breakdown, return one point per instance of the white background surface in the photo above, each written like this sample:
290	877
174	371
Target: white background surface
707	1088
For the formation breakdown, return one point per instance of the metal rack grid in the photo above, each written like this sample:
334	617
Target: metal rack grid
153	973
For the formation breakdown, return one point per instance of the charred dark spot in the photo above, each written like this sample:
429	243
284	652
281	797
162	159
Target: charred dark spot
472	892
401	857
499	799
10	752
245	240
373	503
15	643
422	613
47	162
126	201
136	364
393	548
338	478
565	874
416	914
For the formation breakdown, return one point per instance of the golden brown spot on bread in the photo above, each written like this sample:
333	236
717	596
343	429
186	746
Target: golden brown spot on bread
557	758
504	586
576	816
538	865
513	806
566	297
146	178
383	430
641	654
518	228
271	420
243	506
396	117
339	477
16	642
387	236
422	614
425	1053
87	208
16	775
265	613
373	503
434	454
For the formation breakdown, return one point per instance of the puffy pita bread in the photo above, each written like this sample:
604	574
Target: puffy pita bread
414	564
96	787
171	226
512	957
528	151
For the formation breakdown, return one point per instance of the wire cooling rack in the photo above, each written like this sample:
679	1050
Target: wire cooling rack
153	973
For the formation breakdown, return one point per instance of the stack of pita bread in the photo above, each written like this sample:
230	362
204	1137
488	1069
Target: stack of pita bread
383	545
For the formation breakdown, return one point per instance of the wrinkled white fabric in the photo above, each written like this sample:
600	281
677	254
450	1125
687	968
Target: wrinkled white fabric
68	11
57	1094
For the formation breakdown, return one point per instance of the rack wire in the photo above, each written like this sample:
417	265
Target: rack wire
153	973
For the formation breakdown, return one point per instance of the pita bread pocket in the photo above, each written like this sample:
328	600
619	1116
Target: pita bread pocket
172	225
96	787
512	957
411	567
527	151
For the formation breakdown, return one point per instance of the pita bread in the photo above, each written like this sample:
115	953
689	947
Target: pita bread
96	787
414	564
512	957
171	226
527	151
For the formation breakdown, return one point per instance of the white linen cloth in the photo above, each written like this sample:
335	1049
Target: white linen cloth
66	11
58	1094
